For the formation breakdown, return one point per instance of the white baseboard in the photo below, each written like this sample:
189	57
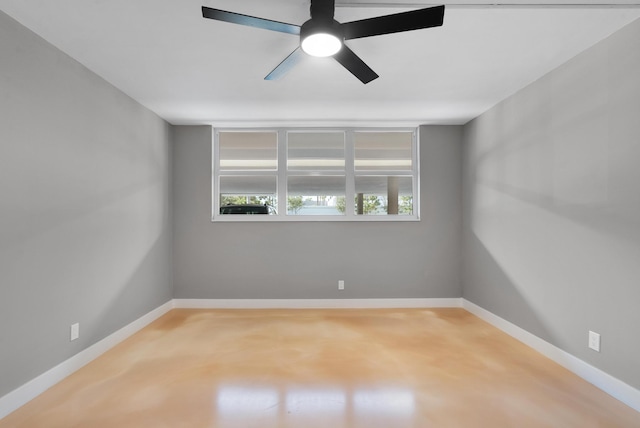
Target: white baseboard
609	384
27	392
315	303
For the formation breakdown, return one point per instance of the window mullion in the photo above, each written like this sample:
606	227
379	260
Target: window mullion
215	190
415	149
349	163
282	173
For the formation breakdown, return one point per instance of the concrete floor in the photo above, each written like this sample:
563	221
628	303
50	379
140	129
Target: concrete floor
322	368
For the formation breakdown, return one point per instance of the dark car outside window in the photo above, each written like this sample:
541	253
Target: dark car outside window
247	209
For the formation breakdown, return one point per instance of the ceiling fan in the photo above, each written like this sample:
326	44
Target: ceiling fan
323	36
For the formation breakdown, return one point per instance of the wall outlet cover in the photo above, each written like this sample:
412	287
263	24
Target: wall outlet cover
594	341
75	331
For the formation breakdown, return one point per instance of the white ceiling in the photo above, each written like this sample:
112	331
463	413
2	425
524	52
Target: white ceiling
191	70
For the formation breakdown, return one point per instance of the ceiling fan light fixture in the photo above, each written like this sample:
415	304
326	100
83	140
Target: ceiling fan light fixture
321	44
321	38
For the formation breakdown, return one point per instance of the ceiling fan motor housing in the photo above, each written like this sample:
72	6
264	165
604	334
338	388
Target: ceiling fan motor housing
316	26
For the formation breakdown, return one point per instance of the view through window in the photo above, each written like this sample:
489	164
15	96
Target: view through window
332	174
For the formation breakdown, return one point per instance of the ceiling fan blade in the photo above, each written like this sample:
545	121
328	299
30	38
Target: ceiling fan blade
250	21
286	65
398	22
355	65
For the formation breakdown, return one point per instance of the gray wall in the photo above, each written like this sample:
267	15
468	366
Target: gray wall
306	259
85	230
552	206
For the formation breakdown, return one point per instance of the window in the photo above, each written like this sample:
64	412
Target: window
329	174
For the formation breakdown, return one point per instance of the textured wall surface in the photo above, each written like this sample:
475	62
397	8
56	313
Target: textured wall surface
306	259
85	226
552	206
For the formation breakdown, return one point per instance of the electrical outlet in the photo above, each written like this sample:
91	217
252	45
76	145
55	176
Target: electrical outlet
75	331
594	341
341	285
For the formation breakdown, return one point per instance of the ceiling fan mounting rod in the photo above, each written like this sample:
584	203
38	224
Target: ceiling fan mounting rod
322	10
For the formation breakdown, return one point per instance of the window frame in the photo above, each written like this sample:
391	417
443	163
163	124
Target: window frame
282	172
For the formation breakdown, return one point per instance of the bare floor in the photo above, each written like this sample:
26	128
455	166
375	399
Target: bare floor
322	368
